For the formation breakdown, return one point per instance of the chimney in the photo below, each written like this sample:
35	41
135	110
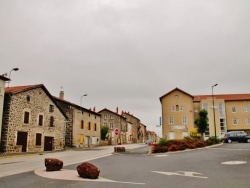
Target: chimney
117	109
94	109
61	95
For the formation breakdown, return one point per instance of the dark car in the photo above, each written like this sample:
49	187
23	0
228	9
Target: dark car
236	136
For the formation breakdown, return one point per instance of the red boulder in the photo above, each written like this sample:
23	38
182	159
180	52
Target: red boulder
53	164
88	170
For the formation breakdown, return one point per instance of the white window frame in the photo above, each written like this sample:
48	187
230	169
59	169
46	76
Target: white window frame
235	121
171	120
105	116
111	125
247	121
184	120
246	108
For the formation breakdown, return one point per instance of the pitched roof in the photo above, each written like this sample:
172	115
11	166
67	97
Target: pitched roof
105	109
19	89
75	105
176	89
226	97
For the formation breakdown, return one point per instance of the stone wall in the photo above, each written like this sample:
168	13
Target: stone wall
36	102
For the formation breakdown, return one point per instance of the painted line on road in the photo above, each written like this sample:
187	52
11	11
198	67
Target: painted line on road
73	175
234	162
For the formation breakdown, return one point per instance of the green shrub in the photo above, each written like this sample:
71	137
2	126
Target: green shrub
162	142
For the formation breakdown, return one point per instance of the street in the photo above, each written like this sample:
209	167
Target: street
225	165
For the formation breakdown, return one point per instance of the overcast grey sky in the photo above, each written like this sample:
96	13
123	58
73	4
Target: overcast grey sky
127	53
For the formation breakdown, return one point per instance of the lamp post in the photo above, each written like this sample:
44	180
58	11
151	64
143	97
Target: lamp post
213	109
84	95
14	69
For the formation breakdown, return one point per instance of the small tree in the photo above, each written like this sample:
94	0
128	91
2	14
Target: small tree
202	122
104	132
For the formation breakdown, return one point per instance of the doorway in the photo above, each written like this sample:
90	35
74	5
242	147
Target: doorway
48	143
22	138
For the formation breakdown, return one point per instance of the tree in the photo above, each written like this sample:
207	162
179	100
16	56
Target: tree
202	122
104	132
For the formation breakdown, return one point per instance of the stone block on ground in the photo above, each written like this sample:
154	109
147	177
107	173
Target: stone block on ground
88	170
119	149
53	164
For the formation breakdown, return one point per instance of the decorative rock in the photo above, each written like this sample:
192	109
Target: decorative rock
119	149
88	170
53	164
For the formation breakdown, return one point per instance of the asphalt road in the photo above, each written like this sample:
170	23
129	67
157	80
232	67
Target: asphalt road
224	166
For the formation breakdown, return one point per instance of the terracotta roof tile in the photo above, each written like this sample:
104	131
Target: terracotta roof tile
20	88
226	97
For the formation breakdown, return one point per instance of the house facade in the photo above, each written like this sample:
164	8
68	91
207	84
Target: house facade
118	126
179	110
136	126
32	121
83	126
2	91
177	114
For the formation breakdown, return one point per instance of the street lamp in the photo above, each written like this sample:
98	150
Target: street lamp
213	109
84	95
14	69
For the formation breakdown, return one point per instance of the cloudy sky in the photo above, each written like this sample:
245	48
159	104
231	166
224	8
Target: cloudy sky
127	53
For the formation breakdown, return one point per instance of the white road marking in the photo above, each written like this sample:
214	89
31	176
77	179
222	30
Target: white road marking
234	162
182	173
72	175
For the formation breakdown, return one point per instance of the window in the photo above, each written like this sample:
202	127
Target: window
111	116
233	109
177	107
181	108
173	108
246	108
26	117
176	96
38	139
51	121
51	108
82	124
28	98
105	124
111	125
184	120
171	120
247	121
105	116
235	122
40	120
89	128
95	129
205	106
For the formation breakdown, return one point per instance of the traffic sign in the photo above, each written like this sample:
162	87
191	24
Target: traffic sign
116	131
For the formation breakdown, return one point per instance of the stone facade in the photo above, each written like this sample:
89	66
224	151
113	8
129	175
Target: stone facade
114	121
32	122
136	126
83	126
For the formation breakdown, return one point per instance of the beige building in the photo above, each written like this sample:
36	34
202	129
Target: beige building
32	121
179	110
83	126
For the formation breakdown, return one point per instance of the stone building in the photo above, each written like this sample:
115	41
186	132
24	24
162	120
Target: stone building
136	126
83	126
142	135
226	112
32	121
2	91
117	122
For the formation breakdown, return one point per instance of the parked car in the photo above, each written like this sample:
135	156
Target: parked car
238	136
